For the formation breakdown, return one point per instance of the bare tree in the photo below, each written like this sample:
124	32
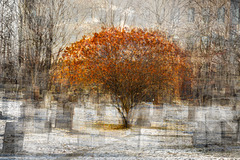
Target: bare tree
210	41
43	29
8	40
109	13
165	15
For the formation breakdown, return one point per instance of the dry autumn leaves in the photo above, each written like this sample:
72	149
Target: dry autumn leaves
126	63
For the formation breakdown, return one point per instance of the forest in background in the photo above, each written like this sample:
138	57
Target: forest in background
34	33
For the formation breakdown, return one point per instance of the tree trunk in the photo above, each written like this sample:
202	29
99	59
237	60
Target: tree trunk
125	122
124	118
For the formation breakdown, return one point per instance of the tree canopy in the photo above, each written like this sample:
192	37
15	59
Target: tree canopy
127	63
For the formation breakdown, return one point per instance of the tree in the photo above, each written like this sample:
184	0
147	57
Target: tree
8	40
164	14
43	27
214	51
126	63
107	13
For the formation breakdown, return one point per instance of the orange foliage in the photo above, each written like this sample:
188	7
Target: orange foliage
124	60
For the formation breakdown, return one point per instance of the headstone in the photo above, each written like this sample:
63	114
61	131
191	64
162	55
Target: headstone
151	110
224	102
1	116
222	123
207	133
207	100
13	138
234	108
48	126
228	134
64	116
238	130
143	121
191	113
40	117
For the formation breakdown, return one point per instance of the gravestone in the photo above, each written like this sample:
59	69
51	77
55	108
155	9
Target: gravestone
228	133
224	102
191	113
1	116
238	130
64	116
13	138
207	134
207	100
142	120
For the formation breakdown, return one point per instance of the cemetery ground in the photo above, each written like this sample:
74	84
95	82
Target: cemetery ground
88	130
129	144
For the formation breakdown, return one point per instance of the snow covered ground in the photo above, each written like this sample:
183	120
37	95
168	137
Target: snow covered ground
135	143
87	142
